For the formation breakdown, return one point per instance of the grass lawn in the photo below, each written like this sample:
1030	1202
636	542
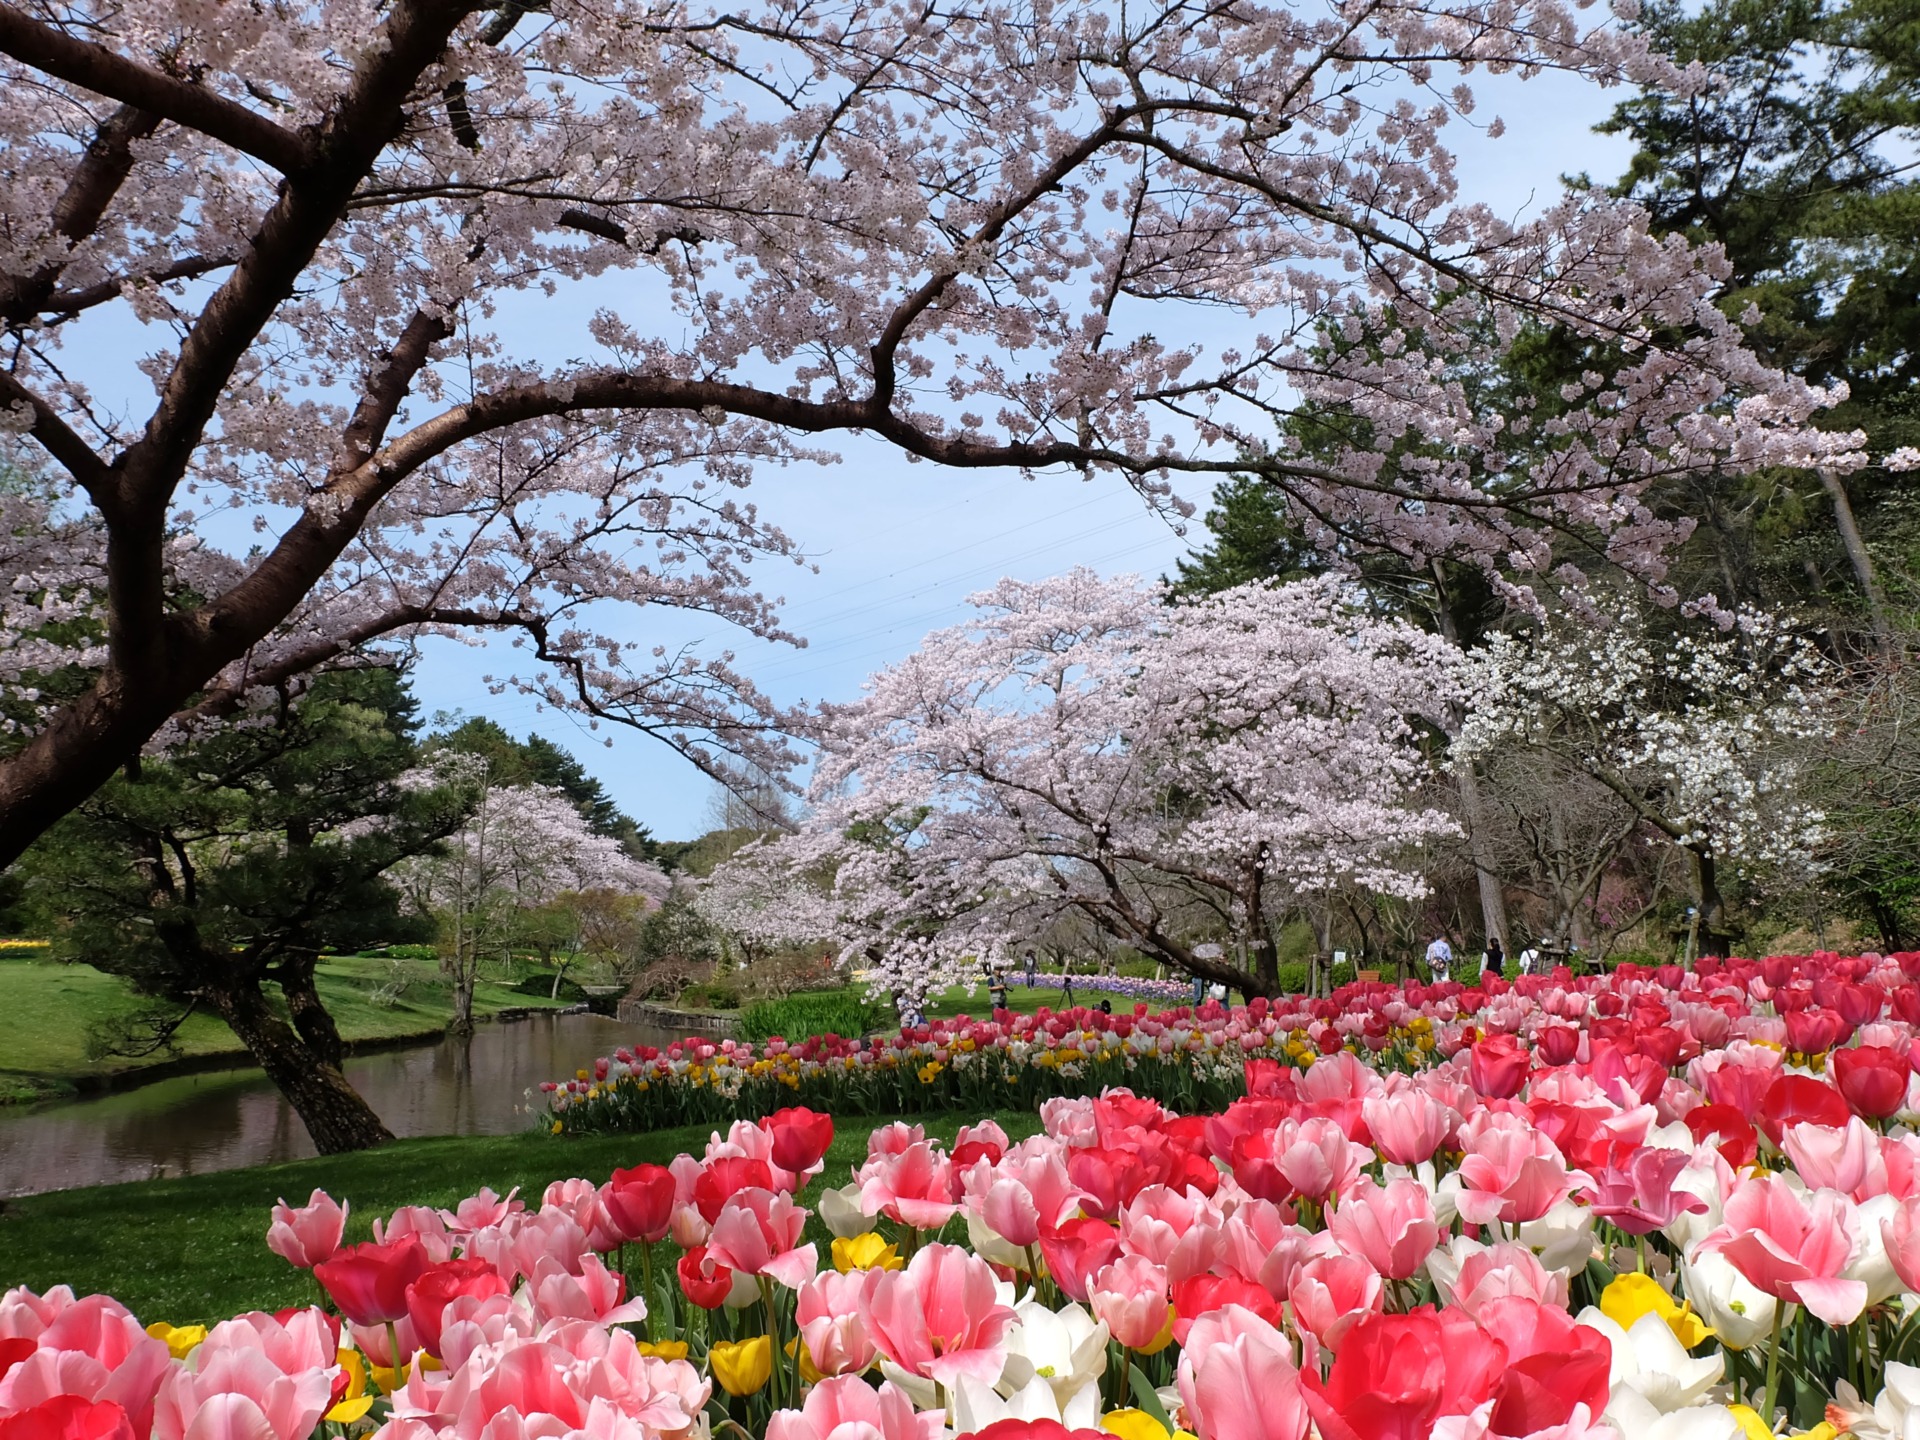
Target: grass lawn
194	1250
1020	1000
53	1012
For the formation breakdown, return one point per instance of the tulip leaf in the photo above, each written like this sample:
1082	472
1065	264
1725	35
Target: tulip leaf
1149	1398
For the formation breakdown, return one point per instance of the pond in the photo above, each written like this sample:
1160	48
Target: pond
225	1119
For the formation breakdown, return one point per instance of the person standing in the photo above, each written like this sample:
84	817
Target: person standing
1030	970
1440	959
1496	962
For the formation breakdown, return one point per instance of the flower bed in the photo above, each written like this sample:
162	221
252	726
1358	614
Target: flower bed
1685	1209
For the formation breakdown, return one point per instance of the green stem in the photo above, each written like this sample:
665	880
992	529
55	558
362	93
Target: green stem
393	1354
646	1269
1773	1362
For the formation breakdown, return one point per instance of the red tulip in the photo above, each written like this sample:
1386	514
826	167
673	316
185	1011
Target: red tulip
707	1285
1730	1132
1557	1044
800	1137
1397	1374
14	1349
369	1282
1204	1294
724	1178
1035	1430
639	1202
1075	1249
1108	1178
428	1297
67	1417
1498	1067
1800	1100
1872	1078
1812	1032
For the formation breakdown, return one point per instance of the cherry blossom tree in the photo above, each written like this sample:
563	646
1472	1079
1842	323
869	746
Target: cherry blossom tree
1171	771
523	846
1706	734
986	236
759	900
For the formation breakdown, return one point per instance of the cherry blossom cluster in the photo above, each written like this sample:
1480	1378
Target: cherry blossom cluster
1005	239
1084	747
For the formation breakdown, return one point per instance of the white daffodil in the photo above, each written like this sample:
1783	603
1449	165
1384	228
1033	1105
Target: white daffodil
1633	1417
1739	1312
1650	1361
1895	1414
1064	1348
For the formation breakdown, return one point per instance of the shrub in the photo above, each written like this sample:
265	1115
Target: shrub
714	995
818	1012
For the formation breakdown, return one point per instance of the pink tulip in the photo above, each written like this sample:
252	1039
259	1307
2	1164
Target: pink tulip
1316	1159
1511	1174
1022	1194
1792	1245
309	1235
550	1235
238	1392
1238	1380
830	1310
24	1315
850	1409
94	1349
1498	1272
758	1233
294	1341
1846	1158
1330	1293
940	1318
1179	1231
1640	1197
915	1187
1408	1126
1392	1226
596	1294
1131	1296
476	1212
1901	1235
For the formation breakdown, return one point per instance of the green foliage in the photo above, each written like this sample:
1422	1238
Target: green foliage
410	952
710	995
818	1012
193	1250
239	857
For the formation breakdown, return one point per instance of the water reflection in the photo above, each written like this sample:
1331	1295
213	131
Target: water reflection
224	1119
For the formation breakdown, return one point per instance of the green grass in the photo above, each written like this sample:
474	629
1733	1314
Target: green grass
53	1012
194	1250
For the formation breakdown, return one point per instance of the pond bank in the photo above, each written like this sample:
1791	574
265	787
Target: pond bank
54	1012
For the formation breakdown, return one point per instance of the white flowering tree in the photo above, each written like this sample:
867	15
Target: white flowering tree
1004	235
1705	734
523	845
1083	746
760	901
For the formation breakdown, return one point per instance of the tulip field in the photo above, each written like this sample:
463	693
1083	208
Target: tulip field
1667	1205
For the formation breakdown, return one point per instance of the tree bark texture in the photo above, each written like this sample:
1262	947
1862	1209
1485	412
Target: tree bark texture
337	1117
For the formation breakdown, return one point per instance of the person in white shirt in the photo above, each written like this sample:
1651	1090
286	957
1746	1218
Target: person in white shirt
1440	959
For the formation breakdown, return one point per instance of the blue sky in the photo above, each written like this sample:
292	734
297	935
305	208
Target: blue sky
900	546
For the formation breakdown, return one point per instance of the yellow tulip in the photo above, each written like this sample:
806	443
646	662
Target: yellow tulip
663	1349
742	1367
181	1339
1138	1425
865	1252
809	1372
1631	1296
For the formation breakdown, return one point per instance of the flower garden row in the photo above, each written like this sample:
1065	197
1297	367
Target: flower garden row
1193	1059
1685	1209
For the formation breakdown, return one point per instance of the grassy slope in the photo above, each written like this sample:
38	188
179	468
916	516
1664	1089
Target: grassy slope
51	1011
193	1250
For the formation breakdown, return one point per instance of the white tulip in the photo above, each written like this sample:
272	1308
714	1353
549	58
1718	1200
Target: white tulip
840	1212
1064	1348
1634	1418
977	1405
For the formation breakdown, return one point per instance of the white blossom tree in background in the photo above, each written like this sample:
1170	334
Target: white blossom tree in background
989	238
1169	771
523	846
760	901
1707	734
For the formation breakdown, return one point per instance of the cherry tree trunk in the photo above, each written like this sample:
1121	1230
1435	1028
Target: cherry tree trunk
337	1117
